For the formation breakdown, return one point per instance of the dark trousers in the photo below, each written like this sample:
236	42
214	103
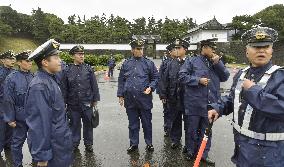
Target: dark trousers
18	139
134	117
5	134
167	121
175	116
196	126
83	113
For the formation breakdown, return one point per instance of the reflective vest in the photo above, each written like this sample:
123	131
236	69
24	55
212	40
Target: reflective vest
244	128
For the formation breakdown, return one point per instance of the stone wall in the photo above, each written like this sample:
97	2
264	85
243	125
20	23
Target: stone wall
238	50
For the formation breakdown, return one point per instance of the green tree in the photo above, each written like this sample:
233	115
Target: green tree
5	29
71	34
10	17
243	23
40	25
273	16
55	26
118	29
138	27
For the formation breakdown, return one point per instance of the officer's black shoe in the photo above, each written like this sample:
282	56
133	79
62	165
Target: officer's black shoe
189	157
208	161
132	149
89	148
150	148
175	145
184	150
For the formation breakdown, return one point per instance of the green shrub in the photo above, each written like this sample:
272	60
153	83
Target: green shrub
229	59
93	60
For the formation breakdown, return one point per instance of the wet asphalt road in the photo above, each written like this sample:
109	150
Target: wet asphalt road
111	138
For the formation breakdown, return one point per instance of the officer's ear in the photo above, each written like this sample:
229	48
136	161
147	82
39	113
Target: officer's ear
44	62
247	47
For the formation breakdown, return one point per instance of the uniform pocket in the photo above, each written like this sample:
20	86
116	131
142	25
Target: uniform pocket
21	94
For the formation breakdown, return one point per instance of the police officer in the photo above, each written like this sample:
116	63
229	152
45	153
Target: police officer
8	59
111	64
172	91
256	100
15	89
81	96
49	136
137	80
166	59
201	75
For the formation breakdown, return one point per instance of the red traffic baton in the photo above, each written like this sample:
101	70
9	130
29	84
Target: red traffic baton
203	144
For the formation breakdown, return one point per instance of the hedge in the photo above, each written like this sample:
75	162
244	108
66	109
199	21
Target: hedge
93	60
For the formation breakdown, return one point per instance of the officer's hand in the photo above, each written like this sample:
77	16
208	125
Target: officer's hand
204	81
212	114
12	124
43	164
121	101
248	84
215	58
148	91
164	101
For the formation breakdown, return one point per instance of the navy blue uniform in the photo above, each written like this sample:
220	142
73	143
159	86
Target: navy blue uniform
49	136
5	129
80	91
173	91
162	70
111	64
135	76
197	96
15	89
267	117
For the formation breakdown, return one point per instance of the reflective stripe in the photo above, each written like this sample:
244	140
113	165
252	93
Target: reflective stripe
237	95
244	129
262	83
259	136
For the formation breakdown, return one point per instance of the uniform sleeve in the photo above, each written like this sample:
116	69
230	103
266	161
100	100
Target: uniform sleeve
271	104
9	101
226	105
164	82
185	74
39	120
154	77
2	78
221	71
160	73
64	84
121	81
95	87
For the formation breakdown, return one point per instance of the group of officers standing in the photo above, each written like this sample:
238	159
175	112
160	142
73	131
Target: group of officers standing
33	105
47	108
189	90
186	85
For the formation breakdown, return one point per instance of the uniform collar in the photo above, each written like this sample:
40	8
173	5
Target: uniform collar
78	64
24	72
204	57
259	70
42	71
137	58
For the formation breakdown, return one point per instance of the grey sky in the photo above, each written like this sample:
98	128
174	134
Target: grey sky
201	10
